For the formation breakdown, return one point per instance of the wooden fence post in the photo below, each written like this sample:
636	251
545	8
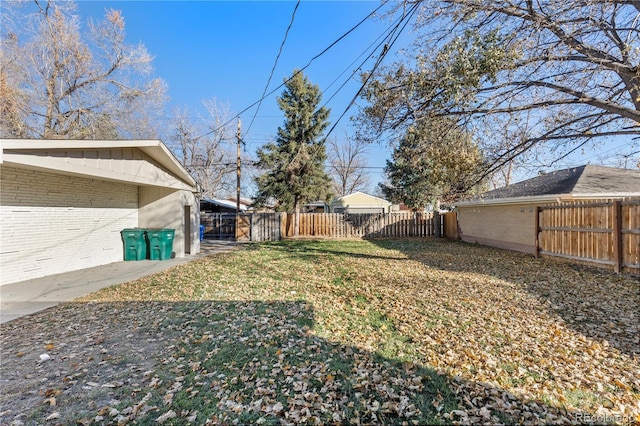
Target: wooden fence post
617	236
536	225
283	224
437	225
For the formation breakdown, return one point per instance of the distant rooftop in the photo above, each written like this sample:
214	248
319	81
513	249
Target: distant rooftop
224	203
583	181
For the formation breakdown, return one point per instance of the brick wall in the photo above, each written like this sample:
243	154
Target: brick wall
505	226
52	223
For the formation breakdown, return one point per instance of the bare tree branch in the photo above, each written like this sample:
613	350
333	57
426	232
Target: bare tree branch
568	72
81	86
346	164
203	147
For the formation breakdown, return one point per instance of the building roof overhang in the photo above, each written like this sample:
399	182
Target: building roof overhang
544	199
29	153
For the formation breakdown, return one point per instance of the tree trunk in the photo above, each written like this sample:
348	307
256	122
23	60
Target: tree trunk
437	228
296	220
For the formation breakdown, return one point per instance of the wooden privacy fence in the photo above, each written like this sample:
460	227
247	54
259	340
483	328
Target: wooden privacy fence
275	226
362	225
266	226
607	234
450	225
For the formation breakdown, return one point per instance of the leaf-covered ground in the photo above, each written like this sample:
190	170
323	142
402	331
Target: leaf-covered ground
335	332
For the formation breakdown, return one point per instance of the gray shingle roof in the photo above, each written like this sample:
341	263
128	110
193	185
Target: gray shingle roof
576	181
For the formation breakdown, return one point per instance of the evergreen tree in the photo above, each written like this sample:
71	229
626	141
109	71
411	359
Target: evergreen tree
434	161
293	165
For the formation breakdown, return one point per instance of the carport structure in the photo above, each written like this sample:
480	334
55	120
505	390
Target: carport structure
64	203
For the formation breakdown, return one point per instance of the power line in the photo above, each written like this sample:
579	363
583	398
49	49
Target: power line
232	165
264	95
364	52
286	34
302	69
386	48
391	29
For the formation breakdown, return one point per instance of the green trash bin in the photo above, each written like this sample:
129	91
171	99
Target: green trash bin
135	244
160	243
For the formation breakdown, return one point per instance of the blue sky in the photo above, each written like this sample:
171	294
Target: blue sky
227	49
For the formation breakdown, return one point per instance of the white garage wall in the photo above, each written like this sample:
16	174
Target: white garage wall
165	208
54	223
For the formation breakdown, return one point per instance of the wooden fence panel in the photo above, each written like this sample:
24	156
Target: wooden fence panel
285	219
274	226
266	227
630	236
450	225
360	225
605	234
579	231
219	226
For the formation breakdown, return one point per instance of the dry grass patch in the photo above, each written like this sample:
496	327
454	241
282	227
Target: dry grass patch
335	332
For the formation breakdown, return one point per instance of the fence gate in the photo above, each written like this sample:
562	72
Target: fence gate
243	227
219	226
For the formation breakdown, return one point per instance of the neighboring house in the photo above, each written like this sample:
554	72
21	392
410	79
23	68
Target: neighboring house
505	217
208	205
64	203
359	202
243	201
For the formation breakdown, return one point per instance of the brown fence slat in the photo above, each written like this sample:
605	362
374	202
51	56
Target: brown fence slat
597	233
360	225
450	228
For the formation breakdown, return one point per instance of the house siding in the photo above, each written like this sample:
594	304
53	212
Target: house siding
360	203
52	223
129	166
164	209
509	227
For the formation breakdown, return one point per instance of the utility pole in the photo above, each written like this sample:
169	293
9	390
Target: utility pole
238	169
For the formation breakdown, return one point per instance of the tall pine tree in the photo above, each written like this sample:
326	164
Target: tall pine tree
293	165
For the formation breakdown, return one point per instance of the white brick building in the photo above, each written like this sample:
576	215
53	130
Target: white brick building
63	204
